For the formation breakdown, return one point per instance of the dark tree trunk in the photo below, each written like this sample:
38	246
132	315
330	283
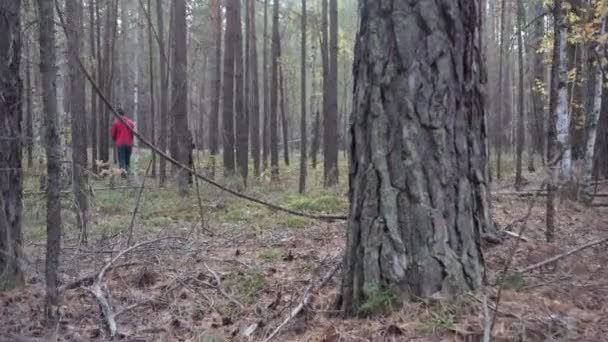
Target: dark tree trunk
228	110
152	83
284	122
216	83
303	131
538	97
501	99
266	96
74	15
28	124
274	93
316	140
94	114
255	93
108	77
179	92
330	122
46	21
242	119
521	96
164	91
418	181
11	205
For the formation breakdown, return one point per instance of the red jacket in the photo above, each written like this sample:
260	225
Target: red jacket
121	134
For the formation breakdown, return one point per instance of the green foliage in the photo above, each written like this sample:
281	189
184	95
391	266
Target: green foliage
247	284
323	203
269	254
441	318
378	300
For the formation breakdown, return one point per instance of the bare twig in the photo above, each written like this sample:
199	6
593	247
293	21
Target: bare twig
306	300
139	196
564	255
515	235
90	277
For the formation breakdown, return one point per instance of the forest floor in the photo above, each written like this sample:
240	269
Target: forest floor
168	290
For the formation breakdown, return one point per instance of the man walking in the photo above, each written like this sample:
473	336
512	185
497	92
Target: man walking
123	140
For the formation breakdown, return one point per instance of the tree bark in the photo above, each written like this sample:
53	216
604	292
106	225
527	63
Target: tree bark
93	124
255	93
164	91
229	74
499	130
11	186
46	21
242	119
520	98
28	124
538	85
274	93
316	140
266	115
330	121
179	92
74	15
216	83
303	130
107	73
284	121
152	89
418	187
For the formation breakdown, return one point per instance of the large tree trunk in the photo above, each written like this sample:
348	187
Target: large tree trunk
74	15
28	123
274	93
46	21
255	92
228	94
303	131
521	97
164	90
558	112
242	120
216	83
418	181
11	206
179	92
330	120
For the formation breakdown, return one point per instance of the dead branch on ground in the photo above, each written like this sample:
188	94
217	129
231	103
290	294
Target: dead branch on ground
564	255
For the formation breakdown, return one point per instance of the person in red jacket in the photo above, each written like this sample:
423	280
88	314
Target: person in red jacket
123	139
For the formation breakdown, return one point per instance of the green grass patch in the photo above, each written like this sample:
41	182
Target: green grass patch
246	284
270	255
378	300
323	203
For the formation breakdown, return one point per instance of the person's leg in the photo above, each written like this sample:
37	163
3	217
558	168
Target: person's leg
121	156
128	151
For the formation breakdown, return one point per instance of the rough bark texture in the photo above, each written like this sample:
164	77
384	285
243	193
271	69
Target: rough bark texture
107	74
266	114
330	120
94	115
228	110
152	89
255	92
284	121
179	91
303	126
316	140
216	83
560	107
11	206
74	14
501	73
538	97
28	123
164	90
240	113
521	97
418	180
53	158
274	93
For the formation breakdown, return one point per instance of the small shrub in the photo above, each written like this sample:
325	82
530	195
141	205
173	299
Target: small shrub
378	300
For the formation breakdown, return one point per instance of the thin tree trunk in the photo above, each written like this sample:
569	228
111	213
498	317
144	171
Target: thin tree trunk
538	85
330	122
242	120
229	74
559	109
501	104
520	98
53	149
153	114
164	90
29	122
303	131
94	114
179	92
284	122
266	115
255	93
274	93
216	83
414	232
11	185
316	140
74	15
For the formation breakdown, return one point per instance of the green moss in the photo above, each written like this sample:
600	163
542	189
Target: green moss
247	284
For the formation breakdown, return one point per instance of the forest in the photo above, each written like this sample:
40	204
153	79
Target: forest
303	170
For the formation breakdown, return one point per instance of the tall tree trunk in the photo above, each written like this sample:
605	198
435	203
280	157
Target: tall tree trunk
229	74
255	93
266	116
46	21
558	111
74	15
242	120
538	84
274	93
11	186
593	118
501	102
330	122
303	131
416	214
284	122
521	96
216	83
93	125
179	91
152	83
164	90
316	140
28	126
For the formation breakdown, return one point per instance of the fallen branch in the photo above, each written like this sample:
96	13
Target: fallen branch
90	277
102	294
218	286
563	255
515	235
306	300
